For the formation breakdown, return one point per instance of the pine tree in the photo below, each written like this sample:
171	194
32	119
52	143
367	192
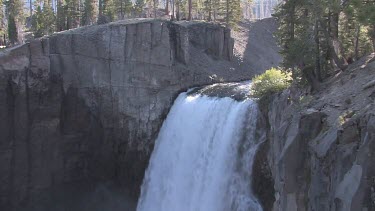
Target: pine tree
153	4
49	18
181	9
177	6
212	8
72	11
124	8
107	11
36	25
43	20
138	7
318	37
61	16
199	9
363	11
3	30
299	36
110	10
14	10
12	30
2	4
190	5
231	9
166	10
354	35
129	7
89	12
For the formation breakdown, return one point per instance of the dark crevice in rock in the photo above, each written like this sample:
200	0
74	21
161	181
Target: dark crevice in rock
176	42
263	182
152	38
27	137
29	122
10	138
262	178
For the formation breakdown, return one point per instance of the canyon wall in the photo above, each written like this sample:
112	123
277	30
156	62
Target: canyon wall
79	110
319	149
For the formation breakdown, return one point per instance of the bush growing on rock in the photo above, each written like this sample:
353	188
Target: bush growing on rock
270	82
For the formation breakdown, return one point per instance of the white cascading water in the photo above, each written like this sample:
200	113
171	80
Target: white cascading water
203	157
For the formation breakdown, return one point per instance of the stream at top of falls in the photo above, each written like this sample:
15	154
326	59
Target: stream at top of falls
203	157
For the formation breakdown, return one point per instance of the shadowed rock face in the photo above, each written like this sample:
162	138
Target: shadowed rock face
79	110
319	149
316	166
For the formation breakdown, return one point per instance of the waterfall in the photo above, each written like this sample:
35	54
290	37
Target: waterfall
202	160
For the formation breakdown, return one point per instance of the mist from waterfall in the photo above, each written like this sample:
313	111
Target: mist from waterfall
203	156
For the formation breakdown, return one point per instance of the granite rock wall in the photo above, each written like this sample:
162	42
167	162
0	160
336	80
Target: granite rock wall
81	109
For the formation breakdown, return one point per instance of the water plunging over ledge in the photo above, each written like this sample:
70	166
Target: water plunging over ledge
203	156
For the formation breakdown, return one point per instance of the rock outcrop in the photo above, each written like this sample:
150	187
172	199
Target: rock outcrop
319	152
79	110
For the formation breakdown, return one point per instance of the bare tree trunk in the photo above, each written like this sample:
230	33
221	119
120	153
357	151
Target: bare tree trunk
31	8
100	8
356	50
317	52
210	10
227	11
173	3
68	23
178	10
333	54
292	33
308	73
154	8
214	12
292	22
80	11
167	7
337	46
189	5
122	11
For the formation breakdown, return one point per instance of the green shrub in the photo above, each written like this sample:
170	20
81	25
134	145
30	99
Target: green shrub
344	117
270	82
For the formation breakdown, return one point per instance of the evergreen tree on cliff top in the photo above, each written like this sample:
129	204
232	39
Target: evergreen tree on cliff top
2	21
233	12
12	30
43	21
138	7
123	8
60	15
72	12
364	12
14	9
311	36
89	12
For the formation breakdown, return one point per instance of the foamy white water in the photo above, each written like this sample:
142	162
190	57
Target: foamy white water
203	157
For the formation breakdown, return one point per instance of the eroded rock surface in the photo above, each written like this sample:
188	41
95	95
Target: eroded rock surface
79	110
320	147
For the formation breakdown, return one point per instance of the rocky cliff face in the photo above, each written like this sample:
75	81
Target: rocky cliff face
319	151
79	110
